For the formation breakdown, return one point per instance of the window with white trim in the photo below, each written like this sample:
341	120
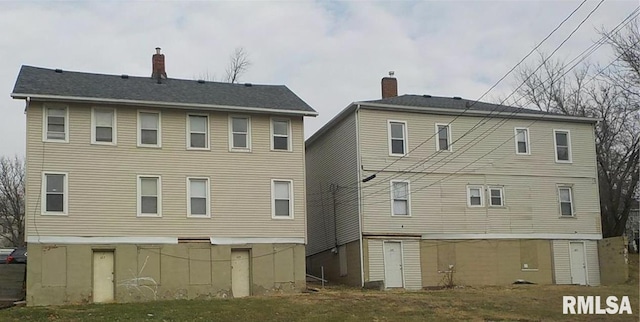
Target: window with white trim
149	129
280	135
401	205
522	140
565	196
282	199
103	122
198	127
443	142
149	196
198	197
240	133
397	138
562	141
496	196
54	190
56	124
475	196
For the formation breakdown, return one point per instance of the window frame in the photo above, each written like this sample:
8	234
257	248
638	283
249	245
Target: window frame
405	138
273	199
409	212
527	140
502	203
114	126
449	137
207	133
289	134
207	195
139	130
231	147
555	145
65	196
159	195
45	123
482	192
571	201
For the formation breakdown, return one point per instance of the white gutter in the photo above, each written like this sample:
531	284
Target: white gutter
436	110
161	104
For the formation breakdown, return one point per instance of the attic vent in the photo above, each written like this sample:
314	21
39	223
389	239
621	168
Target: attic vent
201	81
457	98
124	76
426	95
58	70
248	84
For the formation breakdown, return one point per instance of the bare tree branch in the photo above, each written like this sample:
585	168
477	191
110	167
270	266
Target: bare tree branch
238	65
12	201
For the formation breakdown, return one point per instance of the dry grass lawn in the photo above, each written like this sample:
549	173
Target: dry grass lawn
504	303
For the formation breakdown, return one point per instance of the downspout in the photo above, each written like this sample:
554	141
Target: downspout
360	196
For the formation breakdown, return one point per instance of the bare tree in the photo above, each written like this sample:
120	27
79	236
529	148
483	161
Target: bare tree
12	209
611	94
238	65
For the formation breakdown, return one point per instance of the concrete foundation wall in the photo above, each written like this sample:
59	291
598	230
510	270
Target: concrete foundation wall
330	261
63	274
485	262
614	260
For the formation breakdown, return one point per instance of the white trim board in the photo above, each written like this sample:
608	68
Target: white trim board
515	236
100	240
139	103
256	240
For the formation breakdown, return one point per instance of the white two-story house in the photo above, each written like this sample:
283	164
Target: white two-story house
144	188
420	191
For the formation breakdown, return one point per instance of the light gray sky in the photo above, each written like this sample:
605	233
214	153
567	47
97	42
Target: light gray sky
329	53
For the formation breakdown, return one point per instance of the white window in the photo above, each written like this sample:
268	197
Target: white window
496	196
397	138
401	205
280	130
198	131
240	136
475	196
443	142
149	133
54	193
56	124
566	201
103	126
149	196
563	145
198	197
282	199
522	140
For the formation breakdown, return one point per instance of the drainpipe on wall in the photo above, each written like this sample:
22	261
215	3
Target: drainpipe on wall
360	196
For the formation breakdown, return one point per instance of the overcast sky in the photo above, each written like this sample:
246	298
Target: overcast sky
329	53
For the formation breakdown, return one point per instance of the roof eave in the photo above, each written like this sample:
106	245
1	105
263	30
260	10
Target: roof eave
444	111
161	104
335	120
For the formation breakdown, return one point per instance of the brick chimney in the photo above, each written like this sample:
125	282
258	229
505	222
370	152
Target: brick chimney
158	71
389	86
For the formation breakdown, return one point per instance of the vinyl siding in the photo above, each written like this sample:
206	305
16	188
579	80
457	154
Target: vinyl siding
562	262
332	159
438	187
411	269
102	179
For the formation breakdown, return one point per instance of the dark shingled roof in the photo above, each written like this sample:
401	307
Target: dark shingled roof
43	81
452	104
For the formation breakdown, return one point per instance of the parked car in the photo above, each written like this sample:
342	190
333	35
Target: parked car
18	256
4	253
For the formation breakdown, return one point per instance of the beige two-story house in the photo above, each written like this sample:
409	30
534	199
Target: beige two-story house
419	191
145	188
